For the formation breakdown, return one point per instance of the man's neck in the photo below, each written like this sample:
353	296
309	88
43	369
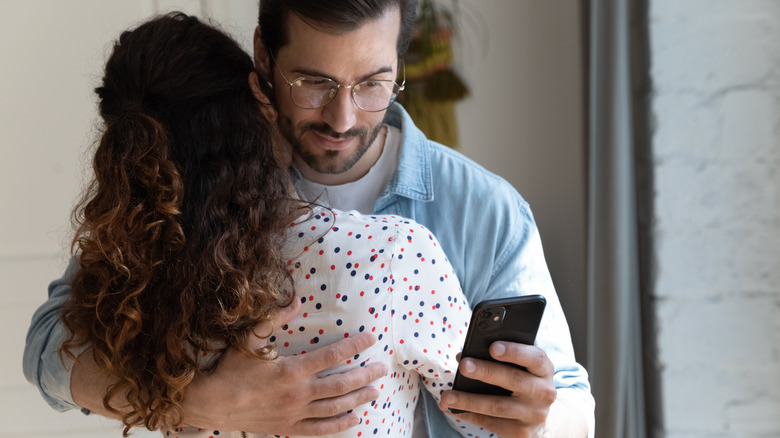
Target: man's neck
354	173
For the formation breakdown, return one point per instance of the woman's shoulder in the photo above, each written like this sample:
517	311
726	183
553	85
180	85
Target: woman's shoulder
325	227
354	222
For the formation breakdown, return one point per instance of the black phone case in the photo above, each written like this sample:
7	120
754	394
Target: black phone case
519	322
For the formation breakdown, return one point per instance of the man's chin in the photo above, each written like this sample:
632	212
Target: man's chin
329	164
330	161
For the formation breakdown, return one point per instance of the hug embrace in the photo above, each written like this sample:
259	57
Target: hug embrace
271	247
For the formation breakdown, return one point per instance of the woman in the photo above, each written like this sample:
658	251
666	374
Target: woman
190	235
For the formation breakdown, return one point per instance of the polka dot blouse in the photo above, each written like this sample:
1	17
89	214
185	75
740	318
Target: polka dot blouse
384	275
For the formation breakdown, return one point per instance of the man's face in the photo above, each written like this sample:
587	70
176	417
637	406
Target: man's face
337	139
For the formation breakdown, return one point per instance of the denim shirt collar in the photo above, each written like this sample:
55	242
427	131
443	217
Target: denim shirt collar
413	179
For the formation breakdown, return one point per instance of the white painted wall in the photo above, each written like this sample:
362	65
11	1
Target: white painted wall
716	148
523	121
52	53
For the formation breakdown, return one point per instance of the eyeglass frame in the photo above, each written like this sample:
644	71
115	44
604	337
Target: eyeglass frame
401	87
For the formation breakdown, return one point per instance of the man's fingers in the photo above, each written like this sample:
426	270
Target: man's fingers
533	358
505	416
502	427
533	390
326	357
537	376
339	405
326	426
523	384
340	384
489	405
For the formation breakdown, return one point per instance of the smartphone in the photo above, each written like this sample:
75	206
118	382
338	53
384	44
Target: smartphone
514	319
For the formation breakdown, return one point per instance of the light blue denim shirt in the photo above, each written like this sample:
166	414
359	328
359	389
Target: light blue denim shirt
42	364
485	227
489	235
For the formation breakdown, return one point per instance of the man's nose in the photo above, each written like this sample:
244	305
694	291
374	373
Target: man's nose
341	113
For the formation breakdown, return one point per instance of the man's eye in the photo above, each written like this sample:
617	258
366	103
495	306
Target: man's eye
317	82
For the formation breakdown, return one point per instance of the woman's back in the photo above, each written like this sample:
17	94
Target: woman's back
385	275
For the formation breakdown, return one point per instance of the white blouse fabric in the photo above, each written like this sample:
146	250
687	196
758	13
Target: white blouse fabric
380	274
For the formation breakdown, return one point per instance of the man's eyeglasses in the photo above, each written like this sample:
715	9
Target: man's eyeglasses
371	95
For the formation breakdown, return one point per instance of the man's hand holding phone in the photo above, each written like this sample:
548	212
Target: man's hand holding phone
521	414
504	383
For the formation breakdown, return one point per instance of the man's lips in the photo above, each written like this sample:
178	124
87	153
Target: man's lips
332	143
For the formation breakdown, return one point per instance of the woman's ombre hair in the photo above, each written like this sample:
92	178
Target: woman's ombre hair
178	234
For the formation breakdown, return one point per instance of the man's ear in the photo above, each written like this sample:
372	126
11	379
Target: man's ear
266	107
262	60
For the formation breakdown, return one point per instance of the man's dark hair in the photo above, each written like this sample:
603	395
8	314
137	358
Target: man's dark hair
331	16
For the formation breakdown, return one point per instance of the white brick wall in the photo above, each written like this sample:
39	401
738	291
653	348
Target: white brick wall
716	148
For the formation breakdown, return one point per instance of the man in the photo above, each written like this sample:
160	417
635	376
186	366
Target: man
330	67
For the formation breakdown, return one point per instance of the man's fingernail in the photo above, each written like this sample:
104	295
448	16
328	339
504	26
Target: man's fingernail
499	349
450	398
468	366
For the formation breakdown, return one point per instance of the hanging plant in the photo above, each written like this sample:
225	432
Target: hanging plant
432	85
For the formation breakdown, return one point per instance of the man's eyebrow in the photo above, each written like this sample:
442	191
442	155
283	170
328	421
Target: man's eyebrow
313	72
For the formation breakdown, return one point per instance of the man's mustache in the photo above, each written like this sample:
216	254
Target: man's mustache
325	129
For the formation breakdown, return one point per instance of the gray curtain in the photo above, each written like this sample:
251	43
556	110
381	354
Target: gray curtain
615	344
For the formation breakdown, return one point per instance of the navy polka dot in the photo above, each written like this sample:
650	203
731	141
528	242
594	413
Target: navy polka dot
417	336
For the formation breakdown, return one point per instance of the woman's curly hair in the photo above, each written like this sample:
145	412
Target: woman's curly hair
178	235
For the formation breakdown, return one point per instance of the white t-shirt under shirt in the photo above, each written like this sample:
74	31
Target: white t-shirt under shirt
388	276
360	195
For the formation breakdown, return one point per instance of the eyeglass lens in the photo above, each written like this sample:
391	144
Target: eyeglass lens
371	95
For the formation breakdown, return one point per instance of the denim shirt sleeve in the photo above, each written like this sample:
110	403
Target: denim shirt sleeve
42	364
524	271
490	236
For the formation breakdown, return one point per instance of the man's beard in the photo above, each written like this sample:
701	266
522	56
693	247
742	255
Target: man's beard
332	162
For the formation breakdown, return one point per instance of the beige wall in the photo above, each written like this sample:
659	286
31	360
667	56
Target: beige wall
522	121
